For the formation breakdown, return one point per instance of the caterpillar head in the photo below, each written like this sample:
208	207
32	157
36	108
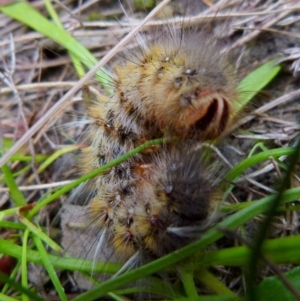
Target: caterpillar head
194	89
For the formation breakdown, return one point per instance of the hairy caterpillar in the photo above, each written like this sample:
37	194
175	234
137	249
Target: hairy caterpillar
178	85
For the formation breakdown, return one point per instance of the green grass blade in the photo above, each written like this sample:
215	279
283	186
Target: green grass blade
49	267
56	155
213	283
24	264
8	212
37	158
255	81
15	194
26	14
187	278
209	298
283	250
76	62
7	298
251	161
11	225
273	289
71	264
34	229
116	297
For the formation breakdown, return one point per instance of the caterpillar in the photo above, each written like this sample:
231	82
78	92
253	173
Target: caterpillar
177	85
